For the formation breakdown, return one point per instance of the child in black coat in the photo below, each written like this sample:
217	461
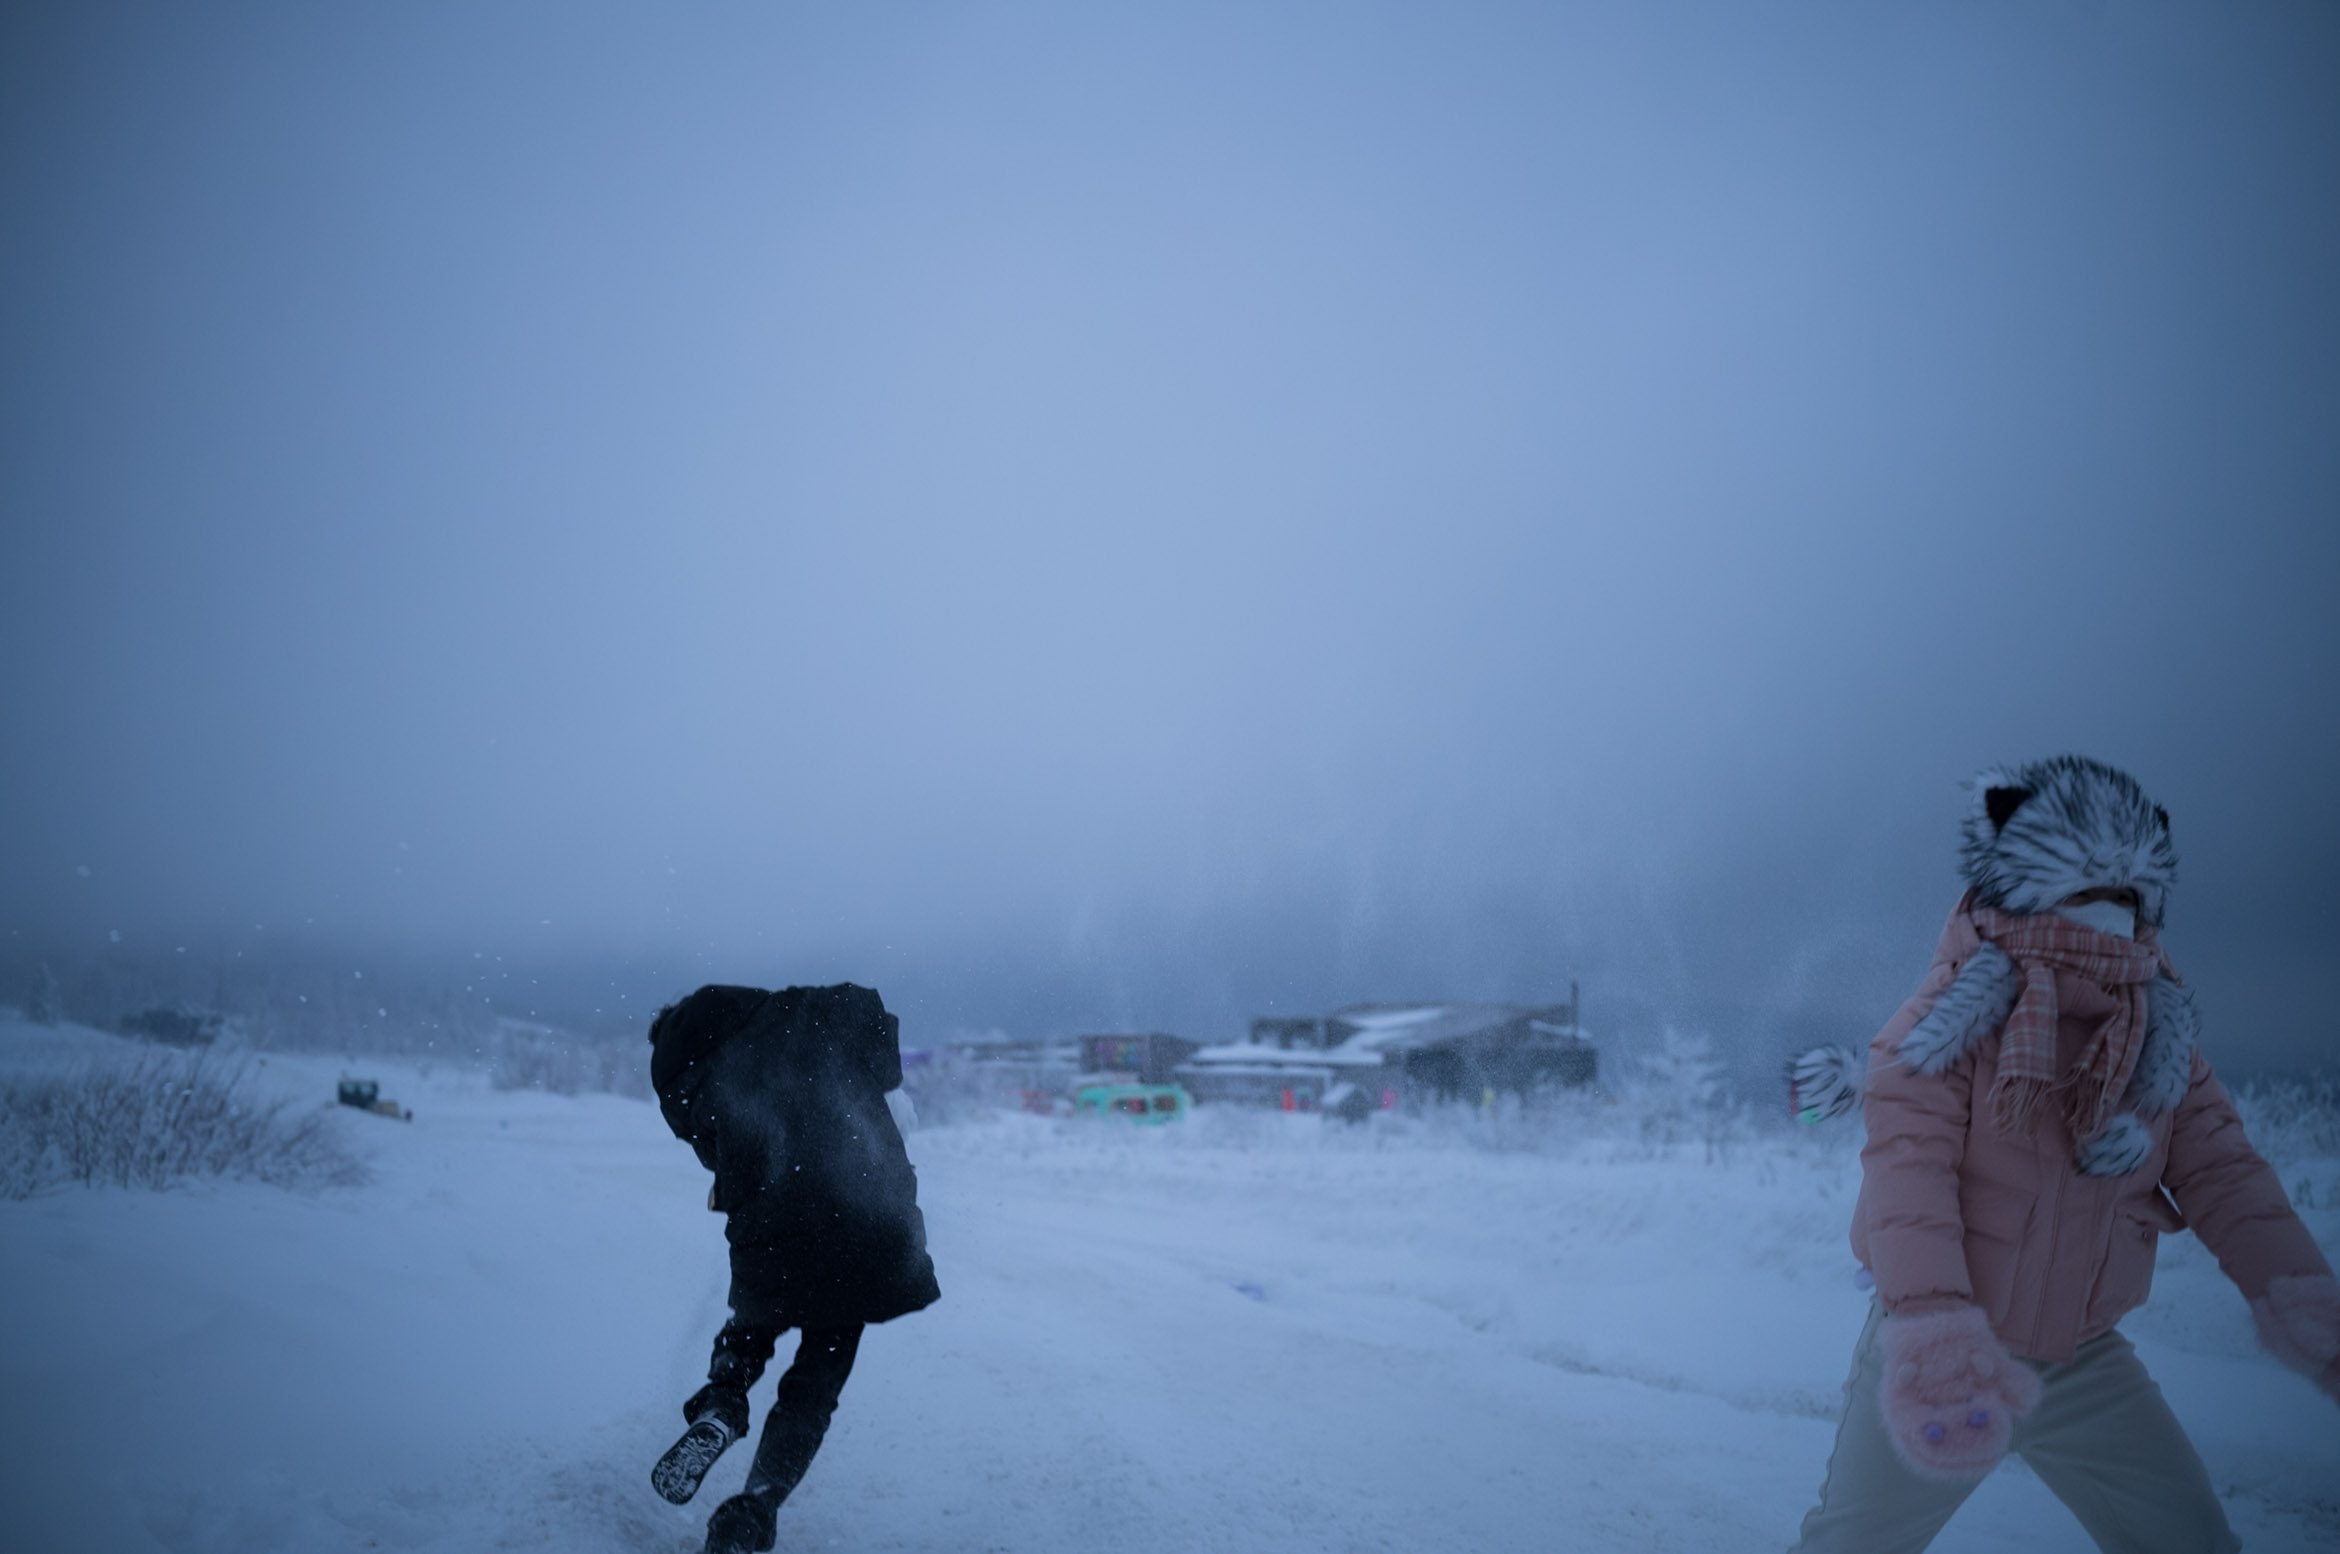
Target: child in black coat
783	1097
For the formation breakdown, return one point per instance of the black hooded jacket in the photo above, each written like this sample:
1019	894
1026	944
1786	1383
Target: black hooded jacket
782	1095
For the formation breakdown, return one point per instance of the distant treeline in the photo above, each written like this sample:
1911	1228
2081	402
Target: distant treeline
529	1027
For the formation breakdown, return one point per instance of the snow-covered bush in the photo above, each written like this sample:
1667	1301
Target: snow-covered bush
948	1088
46	1006
521	1057
1677	1095
2292	1120
2295	1123
158	1120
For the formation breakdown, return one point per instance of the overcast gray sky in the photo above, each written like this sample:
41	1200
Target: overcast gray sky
1093	516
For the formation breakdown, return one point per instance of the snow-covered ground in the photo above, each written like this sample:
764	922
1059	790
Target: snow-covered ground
1248	1332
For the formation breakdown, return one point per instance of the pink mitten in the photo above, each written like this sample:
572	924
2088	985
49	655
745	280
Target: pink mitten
2299	1322
1951	1392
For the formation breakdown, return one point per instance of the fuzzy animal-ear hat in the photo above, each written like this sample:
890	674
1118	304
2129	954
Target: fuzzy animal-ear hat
2037	833
2034	835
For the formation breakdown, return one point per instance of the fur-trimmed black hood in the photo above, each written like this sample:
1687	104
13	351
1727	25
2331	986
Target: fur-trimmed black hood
2040	832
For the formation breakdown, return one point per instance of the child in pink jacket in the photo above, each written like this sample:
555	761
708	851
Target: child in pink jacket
2038	1115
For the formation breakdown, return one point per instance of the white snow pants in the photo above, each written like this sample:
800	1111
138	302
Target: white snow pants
2102	1439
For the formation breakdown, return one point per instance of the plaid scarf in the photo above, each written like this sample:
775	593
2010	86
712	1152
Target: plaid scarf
2040	946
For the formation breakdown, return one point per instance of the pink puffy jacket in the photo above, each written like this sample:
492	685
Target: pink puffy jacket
1951	1211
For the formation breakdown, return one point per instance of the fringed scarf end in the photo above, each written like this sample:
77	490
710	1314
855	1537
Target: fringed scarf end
2015	1103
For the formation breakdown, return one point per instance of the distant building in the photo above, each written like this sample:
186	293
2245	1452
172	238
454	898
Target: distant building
1463	1051
1029	1071
1393	1053
1282	1031
1294	1080
1149	1058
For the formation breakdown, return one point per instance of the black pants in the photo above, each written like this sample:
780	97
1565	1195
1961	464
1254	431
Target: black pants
807	1396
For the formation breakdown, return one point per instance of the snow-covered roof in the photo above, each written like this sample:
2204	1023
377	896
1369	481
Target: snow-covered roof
1264	1059
1404	1027
1262	1070
1376	1025
1375	1030
1382	1017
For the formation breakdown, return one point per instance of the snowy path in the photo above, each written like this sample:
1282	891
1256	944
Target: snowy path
1439	1349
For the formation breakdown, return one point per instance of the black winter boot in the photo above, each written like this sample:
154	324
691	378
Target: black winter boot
744	1524
718	1415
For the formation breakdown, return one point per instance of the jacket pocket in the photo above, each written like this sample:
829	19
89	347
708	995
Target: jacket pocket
2126	1277
1998	1224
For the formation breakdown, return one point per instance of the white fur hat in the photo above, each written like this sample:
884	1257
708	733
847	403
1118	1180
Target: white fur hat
2038	833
